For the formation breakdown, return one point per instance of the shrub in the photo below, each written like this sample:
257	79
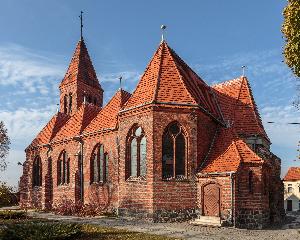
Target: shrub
40	231
7	197
7	214
68	207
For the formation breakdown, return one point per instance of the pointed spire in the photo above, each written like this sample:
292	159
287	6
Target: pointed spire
81	67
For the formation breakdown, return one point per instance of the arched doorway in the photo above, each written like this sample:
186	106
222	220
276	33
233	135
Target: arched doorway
211	200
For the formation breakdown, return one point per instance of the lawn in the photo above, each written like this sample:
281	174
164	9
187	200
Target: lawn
23	228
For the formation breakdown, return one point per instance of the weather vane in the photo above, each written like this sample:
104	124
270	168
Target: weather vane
163	27
81	25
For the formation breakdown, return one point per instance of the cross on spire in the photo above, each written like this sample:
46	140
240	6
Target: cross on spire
81	25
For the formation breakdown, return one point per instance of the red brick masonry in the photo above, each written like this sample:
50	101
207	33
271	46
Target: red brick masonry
229	170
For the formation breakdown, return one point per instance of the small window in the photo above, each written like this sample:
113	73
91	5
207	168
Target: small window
70	103
63	169
65	104
37	172
137	153
290	188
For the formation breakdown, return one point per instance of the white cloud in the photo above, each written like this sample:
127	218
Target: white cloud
29	72
281	132
23	124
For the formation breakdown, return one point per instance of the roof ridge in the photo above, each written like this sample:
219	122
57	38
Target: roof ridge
169	50
144	73
227	82
159	72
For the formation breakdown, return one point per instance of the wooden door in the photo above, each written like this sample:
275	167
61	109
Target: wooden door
211	200
289	205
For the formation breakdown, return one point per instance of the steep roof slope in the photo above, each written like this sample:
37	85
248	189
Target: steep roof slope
168	79
107	117
293	174
50	130
78	122
238	105
81	68
227	153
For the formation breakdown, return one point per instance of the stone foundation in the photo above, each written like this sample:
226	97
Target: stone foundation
252	219
160	215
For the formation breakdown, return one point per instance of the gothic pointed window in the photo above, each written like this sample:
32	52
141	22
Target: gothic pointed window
136	153
37	172
174	152
99	164
63	169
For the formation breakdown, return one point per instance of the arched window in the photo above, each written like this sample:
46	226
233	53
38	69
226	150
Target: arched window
70	102
99	165
250	182
63	169
174	152
37	172
65	104
137	153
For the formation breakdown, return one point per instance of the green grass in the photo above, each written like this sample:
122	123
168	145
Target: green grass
37	229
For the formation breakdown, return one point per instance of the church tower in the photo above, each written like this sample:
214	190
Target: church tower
80	83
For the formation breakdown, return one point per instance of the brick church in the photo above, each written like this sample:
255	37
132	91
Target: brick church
174	149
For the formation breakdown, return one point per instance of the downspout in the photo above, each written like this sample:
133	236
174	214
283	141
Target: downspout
232	198
81	172
79	139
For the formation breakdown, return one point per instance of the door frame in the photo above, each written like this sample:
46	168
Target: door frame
287	205
202	196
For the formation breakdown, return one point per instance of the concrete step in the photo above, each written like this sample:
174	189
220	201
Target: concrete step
207	221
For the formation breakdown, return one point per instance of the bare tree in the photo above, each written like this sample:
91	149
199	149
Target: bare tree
4	146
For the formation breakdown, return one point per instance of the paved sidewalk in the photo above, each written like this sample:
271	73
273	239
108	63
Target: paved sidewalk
185	230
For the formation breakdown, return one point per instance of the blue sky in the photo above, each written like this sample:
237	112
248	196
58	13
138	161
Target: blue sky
214	37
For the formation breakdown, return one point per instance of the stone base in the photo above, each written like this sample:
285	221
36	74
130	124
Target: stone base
160	215
252	219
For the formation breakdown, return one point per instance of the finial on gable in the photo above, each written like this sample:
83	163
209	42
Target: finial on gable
81	25
163	28
120	79
243	71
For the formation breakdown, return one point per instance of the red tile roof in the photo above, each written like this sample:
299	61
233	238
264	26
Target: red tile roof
293	174
228	152
78	122
238	105
168	79
81	68
50	130
108	116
